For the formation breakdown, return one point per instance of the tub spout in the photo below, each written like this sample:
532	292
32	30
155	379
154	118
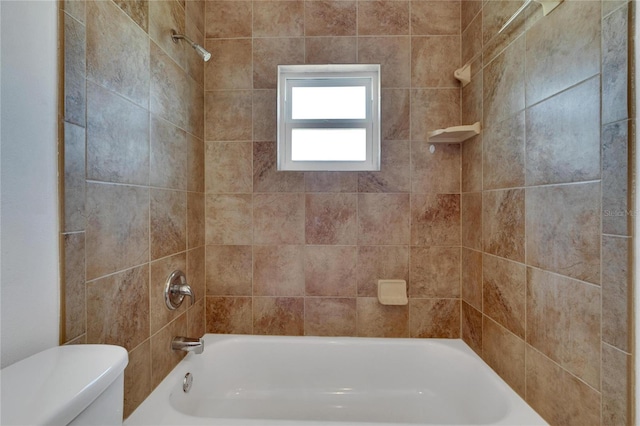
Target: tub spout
187	344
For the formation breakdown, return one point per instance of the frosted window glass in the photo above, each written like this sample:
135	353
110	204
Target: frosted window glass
329	144
329	103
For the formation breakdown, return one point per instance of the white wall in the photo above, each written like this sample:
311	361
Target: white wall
29	277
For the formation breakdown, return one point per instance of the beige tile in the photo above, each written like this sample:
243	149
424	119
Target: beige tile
503	293
229	315
74	178
264	115
617	290
395	170
494	16
117	138
278	18
617	387
472	40
435	318
228	19
266	177
196	320
331	181
562	49
435	17
395	114
503	84
331	218
278	271
195	13
75	96
165	16
195	159
196	273
228	219
471	288
383	17
557	396
433	109
471	213
434	60
278	316
503	224
392	53
472	164
117	234
505	353
137	377
74	8
472	99
471	327
168	156
330	271
168	89
567	241
268	53
330	50
228	167
114	320
435	219
138	10
125	71
330	18
75	304
563	137
229	270
378	263
563	322
230	66
160	315
164	360
616	217
195	108
383	219
434	272
608	6
468	10
168	222
228	115
376	320
195	220
278	218
504	153
437	172
329	317
615	65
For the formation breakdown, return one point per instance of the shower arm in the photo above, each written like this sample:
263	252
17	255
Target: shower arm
175	37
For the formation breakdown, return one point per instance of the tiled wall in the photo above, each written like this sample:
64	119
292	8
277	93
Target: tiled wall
300	253
133	179
546	234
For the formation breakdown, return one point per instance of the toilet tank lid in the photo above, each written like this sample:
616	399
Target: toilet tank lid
55	385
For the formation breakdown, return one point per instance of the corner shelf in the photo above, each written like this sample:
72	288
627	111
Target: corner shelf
454	134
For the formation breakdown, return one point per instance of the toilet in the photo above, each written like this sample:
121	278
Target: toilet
65	385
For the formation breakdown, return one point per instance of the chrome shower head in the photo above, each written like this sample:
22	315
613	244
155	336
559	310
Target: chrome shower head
204	54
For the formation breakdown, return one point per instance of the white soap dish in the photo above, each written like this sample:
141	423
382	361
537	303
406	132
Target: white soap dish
392	292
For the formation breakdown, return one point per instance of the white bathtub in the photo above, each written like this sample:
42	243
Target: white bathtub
269	380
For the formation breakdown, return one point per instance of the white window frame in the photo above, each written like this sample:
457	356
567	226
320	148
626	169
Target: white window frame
329	76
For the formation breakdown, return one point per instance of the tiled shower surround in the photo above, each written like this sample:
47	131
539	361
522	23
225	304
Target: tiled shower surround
518	240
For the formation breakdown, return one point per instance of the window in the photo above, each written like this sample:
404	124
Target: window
329	117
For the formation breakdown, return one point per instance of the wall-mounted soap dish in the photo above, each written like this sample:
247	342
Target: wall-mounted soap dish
454	134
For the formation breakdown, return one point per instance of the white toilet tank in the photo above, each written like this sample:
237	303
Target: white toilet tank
65	385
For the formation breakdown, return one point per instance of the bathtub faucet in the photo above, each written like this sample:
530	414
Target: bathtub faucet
187	344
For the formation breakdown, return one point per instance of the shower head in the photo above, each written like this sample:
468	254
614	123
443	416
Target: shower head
204	54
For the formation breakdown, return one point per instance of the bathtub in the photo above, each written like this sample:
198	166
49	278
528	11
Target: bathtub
310	381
